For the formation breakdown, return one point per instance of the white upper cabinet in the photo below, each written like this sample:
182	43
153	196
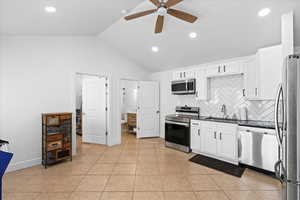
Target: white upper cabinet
185	74
201	84
213	70
224	69
233	68
263	73
270	70
189	74
251	81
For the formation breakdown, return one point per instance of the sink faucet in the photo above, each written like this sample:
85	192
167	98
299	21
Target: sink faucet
224	111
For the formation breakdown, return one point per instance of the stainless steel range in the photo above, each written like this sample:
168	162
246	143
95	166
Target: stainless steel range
177	127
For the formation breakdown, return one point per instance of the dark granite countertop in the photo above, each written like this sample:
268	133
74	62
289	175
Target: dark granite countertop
249	123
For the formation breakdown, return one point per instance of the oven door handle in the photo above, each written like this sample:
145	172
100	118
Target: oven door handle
177	123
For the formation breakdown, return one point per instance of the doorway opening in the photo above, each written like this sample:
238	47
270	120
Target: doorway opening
129	107
139	109
91	109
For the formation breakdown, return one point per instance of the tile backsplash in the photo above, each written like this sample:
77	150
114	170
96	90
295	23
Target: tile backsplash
228	90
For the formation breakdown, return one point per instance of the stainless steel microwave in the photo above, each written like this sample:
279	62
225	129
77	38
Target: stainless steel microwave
183	87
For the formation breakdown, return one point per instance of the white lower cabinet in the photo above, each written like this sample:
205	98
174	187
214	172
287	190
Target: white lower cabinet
218	140
195	136
209	138
227	141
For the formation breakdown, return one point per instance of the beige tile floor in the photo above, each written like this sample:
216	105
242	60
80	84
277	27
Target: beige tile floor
136	170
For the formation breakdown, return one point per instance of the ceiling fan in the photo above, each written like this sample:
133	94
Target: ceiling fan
162	9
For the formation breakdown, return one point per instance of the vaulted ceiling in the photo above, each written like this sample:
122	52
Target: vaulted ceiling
226	28
73	17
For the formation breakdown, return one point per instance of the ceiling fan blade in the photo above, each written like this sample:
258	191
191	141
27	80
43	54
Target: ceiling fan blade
140	14
182	15
171	3
155	2
159	24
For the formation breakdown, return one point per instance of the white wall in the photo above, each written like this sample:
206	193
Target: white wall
1	96
38	76
78	91
168	102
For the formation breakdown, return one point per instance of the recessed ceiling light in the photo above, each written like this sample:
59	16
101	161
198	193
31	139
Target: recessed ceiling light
50	9
155	49
193	35
264	12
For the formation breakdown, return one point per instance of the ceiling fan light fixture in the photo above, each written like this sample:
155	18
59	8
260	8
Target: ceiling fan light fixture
193	35
163	8
162	11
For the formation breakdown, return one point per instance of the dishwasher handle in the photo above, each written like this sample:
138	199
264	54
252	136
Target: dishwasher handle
256	132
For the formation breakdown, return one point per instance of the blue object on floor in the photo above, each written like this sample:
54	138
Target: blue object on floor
5	158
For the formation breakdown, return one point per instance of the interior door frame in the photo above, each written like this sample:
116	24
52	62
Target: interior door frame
120	103
157	112
108	105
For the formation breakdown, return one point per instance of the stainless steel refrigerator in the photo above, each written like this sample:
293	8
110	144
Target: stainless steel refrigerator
287	119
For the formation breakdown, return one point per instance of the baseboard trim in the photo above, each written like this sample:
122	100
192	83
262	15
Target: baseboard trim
23	164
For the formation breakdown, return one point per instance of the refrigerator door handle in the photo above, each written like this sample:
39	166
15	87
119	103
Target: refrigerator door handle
277	128
277	171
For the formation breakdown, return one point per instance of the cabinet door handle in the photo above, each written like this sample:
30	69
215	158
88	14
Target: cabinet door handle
180	74
184	74
199	132
244	92
220	135
256	92
219	69
224	68
215	135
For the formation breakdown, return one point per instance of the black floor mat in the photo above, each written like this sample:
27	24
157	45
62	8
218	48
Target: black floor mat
219	165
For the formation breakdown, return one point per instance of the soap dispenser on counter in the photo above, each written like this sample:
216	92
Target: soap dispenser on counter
243	113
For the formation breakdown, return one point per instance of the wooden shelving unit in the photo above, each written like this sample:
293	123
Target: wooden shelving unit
57	138
78	122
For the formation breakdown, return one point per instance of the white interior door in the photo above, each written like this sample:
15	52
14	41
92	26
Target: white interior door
94	110
148	109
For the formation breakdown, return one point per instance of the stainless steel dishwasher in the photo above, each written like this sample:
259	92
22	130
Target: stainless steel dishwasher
258	147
